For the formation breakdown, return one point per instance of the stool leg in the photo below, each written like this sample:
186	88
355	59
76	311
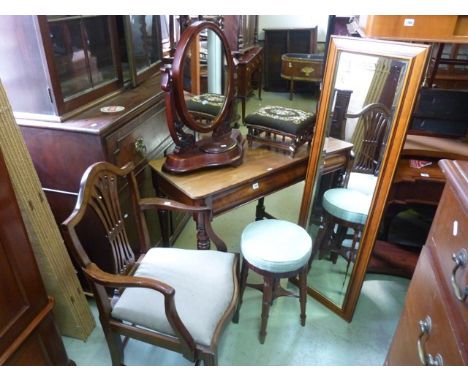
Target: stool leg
267	296
303	293
243	283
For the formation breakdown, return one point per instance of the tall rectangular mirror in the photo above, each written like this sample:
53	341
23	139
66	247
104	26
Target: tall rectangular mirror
369	89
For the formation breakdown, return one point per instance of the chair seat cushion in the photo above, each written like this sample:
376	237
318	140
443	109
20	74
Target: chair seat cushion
204	288
276	245
281	118
207	103
364	183
349	205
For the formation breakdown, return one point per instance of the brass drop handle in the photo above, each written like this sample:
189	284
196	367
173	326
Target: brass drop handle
425	327
140	146
460	258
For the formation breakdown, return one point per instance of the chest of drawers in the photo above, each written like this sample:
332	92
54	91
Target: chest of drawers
433	327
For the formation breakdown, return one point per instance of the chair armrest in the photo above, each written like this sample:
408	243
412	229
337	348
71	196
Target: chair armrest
121	281
171	205
201	214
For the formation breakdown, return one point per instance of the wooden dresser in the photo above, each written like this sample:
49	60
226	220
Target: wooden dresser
433	327
28	332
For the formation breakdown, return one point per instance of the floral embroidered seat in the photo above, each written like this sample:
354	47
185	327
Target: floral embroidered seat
205	107
281	127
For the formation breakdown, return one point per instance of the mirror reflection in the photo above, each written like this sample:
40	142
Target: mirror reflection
366	90
205	77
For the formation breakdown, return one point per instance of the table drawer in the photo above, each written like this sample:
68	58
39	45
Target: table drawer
137	140
449	240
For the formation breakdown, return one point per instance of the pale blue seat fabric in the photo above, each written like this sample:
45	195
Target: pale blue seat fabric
276	245
202	293
346	204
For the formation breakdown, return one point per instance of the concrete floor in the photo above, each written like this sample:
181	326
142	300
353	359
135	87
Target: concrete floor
325	340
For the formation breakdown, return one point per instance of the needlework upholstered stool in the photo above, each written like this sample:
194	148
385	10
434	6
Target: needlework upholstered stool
281	127
205	107
275	249
344	209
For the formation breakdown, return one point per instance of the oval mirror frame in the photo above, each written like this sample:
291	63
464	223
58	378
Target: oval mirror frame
181	51
415	56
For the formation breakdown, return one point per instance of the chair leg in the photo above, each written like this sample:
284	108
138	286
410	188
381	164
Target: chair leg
303	293
114	342
267	296
243	283
210	359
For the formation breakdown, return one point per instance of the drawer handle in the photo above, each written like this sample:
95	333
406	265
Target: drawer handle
425	327
460	258
140	146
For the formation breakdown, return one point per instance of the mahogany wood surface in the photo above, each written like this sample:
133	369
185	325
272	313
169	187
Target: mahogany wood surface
28	332
431	292
263	171
269	169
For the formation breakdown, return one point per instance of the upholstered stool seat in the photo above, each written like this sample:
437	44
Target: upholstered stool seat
345	204
281	127
344	209
275	249
207	104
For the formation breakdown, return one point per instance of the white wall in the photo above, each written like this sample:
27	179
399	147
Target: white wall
293	21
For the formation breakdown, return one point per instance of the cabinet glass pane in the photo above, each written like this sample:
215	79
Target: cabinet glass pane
82	53
145	36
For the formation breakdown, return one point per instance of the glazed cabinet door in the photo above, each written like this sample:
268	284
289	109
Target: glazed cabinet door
425	334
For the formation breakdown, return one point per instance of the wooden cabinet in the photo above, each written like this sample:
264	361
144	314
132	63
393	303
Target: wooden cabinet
28	332
278	42
433	325
446	28
126	124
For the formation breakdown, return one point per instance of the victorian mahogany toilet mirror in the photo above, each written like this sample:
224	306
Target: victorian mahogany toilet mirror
200	95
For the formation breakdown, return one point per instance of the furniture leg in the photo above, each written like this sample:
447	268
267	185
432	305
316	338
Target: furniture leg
267	296
243	109
303	293
291	89
243	283
260	209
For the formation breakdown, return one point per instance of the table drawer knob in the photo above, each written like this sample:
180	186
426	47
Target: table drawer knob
140	146
425	327
460	258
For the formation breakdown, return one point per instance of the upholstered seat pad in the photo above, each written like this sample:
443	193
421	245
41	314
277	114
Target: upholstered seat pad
349	205
364	183
208	103
204	285
276	245
282	118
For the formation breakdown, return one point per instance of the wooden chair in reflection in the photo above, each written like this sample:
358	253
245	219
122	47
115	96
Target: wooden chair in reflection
177	299
346	208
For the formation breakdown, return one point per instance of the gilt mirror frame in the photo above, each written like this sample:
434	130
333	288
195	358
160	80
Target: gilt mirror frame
415	56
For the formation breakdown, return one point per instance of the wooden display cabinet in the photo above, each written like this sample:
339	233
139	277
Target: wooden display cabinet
64	135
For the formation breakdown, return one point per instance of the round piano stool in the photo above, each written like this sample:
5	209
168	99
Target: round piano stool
345	208
275	249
